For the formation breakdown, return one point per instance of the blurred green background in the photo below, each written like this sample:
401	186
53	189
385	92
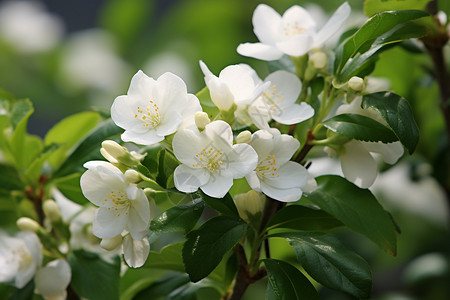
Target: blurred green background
70	56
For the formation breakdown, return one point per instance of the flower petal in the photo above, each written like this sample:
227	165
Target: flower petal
242	160
299	17
150	137
217	185
219	129
391	152
188	180
333	25
135	251
259	113
287	86
109	222
284	195
141	85
293	114
52	280
187	144
291	175
297	45
358	165
259	51
240	82
266	24
139	213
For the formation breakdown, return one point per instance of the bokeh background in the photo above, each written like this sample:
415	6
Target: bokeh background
71	56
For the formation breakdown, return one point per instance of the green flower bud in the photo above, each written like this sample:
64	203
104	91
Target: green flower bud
356	83
201	120
117	154
244	137
51	210
249	204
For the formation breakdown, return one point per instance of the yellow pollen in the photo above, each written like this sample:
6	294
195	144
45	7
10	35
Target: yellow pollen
150	117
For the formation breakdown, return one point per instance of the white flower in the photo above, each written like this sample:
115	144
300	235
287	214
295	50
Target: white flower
153	109
357	161
236	84
278	102
20	256
122	206
294	33
275	175
209	160
135	251
52	280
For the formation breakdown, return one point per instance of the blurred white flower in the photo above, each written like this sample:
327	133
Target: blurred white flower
153	109
122	206
90	61
278	102
209	159
236	84
52	280
20	257
275	175
294	33
27	26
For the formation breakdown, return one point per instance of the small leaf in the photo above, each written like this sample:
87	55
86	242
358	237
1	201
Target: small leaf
10	178
361	128
287	283
357	208
224	206
303	218
179	218
372	7
206	246
330	262
35	169
163	287
169	258
90	273
396	111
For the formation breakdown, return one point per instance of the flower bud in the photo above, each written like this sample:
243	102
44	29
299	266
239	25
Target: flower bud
51	210
25	223
244	137
356	83
117	154
319	60
132	176
201	120
112	243
249	204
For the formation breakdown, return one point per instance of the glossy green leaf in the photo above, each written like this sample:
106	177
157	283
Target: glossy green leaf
163	287
302	218
372	7
357	208
205	100
90	273
169	258
10	178
179	218
206	246
20	110
362	40
331	263
34	171
166	166
81	154
69	186
361	128
151	159
397	113
68	132
224	206
287	283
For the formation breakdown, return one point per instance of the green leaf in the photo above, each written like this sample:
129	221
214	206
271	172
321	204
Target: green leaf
10	178
20	110
396	111
163	287
69	186
224	206
376	26
357	208
166	166
68	132
331	263
301	217
287	283
179	218
73	163
361	128
90	274
169	258
205	100
372	7
35	170
206	246
151	160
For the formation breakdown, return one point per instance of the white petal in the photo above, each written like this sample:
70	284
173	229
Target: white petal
253	181
188	180
33	245
299	17
293	114
141	85
123	112
217	185
107	225
259	51
219	129
52	280
150	137
139	213
290	175
285	86
170	92
284	195
297	45
259	113
193	106
333	25
135	251
266	24
67	207
391	152
205	69
239	81
242	160
170	123
221	95
187	144
358	165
